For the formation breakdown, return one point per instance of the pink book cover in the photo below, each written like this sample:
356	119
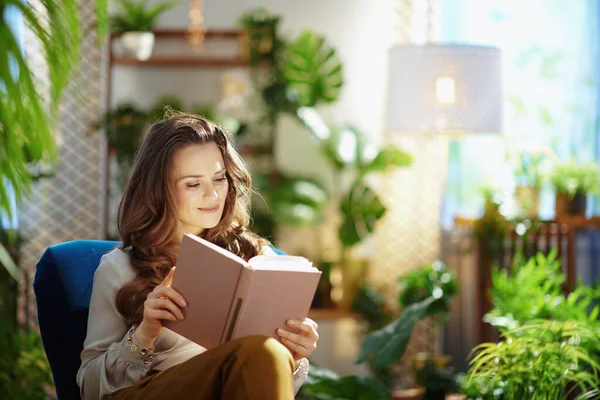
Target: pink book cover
230	298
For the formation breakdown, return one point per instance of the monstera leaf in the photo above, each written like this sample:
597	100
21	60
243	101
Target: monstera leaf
315	124
387	345
361	209
387	157
313	69
298	201
345	147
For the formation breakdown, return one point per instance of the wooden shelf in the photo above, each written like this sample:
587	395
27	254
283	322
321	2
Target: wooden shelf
165	61
186	59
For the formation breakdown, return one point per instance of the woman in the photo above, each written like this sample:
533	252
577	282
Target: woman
186	178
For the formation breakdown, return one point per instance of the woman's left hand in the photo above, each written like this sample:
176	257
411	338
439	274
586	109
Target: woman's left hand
300	344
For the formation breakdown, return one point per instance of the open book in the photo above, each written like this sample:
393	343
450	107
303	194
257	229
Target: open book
230	298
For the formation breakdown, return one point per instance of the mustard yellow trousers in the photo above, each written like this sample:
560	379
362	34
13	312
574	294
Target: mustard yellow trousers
251	368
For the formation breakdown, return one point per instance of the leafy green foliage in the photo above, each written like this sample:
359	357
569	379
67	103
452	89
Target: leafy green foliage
137	16
435	280
346	388
361	209
371	305
313	69
386	346
264	43
542	359
375	314
304	73
28	116
571	178
534	291
298	201
24	370
529	292
387	158
490	230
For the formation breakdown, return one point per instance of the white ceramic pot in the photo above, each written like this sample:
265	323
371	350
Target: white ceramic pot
137	44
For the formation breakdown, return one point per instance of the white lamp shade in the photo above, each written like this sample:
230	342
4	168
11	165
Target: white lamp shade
444	89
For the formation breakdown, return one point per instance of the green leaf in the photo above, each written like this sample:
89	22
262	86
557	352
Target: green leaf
298	201
344	147
349	387
296	214
309	117
386	346
361	209
136	16
313	69
28	115
386	158
8	263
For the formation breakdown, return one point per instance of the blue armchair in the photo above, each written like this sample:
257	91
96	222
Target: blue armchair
63	287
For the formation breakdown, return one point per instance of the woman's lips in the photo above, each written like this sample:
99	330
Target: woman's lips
210	210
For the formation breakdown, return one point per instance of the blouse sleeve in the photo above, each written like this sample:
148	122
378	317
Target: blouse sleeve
300	374
107	362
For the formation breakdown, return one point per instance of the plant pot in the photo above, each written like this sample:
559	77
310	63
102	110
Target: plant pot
322	297
137	44
408	394
423	359
528	199
578	204
345	288
425	366
561	205
570	206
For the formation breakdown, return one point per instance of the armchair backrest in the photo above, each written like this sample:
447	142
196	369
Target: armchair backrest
63	287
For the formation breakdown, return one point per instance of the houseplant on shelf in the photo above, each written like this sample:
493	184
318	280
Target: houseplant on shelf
134	24
531	165
573	182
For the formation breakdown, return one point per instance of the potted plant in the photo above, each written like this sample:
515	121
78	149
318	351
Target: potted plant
531	167
573	182
437	281
303	73
134	24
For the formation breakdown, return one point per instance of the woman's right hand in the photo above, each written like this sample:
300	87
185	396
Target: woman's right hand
162	303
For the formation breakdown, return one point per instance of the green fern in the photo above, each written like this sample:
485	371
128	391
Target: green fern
531	291
540	360
136	16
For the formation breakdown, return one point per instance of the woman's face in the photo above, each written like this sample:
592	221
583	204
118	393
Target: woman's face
201	185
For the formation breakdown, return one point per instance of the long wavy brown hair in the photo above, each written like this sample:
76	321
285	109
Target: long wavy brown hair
147	219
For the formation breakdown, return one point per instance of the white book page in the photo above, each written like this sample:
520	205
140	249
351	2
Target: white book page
280	262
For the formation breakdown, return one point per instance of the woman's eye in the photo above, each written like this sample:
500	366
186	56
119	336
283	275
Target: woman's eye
223	179
192	185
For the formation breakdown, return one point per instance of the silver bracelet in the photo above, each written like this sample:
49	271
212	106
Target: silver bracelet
135	347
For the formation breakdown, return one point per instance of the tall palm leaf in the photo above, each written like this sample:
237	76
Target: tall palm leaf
28	116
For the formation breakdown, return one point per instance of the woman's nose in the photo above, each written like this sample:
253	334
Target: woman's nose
211	192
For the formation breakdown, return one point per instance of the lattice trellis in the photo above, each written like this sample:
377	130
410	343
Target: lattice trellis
69	205
409	234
